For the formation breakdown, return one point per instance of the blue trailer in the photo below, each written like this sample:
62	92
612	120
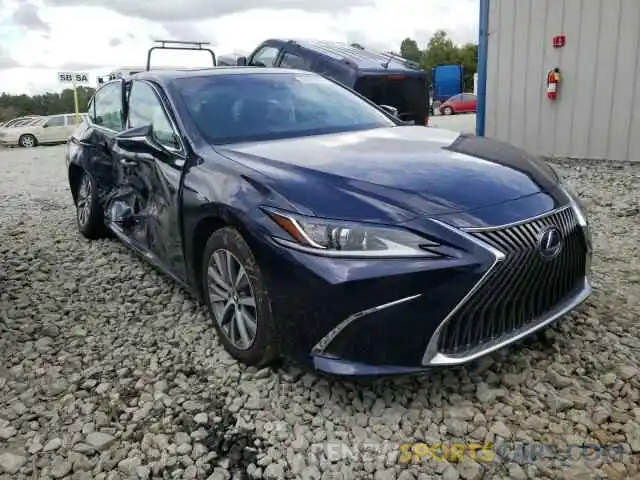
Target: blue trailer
447	81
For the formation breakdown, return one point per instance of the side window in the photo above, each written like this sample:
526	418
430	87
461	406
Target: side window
71	119
57	121
330	70
265	57
291	60
108	107
145	108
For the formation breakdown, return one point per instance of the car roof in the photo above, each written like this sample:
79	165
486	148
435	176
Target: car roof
356	57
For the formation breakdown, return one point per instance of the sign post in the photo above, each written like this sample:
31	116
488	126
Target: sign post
74	78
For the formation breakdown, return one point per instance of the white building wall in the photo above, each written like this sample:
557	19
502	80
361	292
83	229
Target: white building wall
597	114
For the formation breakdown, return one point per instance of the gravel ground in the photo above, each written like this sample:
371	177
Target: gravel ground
108	370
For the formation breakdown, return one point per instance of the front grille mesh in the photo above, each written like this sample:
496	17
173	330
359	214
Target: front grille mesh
522	288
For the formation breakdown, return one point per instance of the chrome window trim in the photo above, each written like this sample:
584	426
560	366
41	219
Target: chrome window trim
323	343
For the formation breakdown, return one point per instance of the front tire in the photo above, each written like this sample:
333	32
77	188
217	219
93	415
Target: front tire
237	299
448	111
27	141
89	215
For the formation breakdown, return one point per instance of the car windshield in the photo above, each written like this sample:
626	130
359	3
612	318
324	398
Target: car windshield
244	108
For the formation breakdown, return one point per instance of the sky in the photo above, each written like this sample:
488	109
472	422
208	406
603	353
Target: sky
39	38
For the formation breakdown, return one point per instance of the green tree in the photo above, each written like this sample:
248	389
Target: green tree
409	49
441	50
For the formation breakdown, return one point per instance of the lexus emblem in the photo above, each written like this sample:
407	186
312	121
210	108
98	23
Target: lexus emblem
550	242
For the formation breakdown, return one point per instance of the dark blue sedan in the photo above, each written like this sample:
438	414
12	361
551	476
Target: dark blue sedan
317	226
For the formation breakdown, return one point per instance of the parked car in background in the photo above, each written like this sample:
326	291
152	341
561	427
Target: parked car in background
316	226
39	131
388	80
461	103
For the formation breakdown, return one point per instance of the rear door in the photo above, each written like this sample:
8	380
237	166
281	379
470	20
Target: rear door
407	93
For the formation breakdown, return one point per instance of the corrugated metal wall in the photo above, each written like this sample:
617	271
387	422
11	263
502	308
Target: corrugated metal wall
597	114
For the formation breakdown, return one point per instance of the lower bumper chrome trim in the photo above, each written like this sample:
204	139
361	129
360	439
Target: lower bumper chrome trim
324	342
440	359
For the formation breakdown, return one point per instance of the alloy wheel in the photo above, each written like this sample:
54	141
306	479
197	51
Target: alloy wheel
232	299
27	141
83	201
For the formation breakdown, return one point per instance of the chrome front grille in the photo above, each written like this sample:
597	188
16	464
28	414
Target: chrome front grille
521	289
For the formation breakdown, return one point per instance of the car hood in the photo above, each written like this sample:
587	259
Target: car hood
401	171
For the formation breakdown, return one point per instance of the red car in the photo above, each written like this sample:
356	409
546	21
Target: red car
461	103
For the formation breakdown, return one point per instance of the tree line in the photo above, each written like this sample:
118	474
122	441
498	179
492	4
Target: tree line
440	50
12	106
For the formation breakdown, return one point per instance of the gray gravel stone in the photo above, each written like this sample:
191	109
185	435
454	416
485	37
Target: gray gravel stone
100	351
99	440
53	444
11	463
7	432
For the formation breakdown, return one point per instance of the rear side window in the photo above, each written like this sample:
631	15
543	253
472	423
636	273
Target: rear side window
56	121
265	57
108	107
409	94
291	60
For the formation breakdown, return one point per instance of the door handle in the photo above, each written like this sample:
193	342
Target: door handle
128	163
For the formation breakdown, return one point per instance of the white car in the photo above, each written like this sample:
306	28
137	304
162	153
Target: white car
51	129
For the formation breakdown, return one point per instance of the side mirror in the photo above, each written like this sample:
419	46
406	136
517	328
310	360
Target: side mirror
241	62
139	139
45	125
134	138
390	110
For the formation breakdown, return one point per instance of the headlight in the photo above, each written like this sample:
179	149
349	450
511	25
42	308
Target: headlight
345	239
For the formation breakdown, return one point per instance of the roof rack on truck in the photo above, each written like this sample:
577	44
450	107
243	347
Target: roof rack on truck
179	45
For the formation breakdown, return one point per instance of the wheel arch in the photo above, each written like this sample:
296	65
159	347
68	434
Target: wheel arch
215	218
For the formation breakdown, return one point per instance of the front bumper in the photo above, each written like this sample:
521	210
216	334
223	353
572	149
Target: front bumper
350	317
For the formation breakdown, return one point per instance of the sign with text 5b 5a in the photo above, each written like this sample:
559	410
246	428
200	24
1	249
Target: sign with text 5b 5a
73	77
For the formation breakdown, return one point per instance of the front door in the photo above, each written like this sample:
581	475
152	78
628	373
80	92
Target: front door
152	173
54	130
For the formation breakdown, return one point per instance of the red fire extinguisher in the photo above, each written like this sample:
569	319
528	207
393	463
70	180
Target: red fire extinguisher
553	82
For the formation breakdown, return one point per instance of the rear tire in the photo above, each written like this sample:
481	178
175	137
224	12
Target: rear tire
237	299
27	141
89	215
